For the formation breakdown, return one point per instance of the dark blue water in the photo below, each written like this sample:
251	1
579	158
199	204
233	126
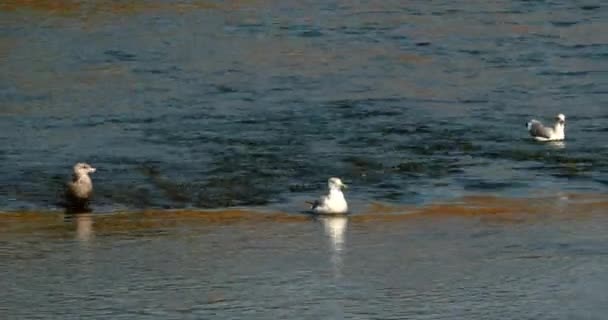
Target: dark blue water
214	105
255	104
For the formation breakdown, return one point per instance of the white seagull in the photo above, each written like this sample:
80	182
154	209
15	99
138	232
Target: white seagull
80	189
542	133
332	203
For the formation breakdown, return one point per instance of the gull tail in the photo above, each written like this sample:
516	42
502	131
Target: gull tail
313	204
530	123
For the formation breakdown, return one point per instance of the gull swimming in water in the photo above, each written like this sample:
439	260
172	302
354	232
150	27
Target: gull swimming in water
332	203
80	189
542	133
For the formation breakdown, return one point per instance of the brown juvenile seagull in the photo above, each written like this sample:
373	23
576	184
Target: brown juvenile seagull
80	189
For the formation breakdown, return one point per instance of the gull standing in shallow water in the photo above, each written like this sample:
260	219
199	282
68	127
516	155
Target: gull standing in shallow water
80	189
542	133
334	202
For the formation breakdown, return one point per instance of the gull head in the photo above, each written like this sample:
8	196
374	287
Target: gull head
560	118
335	183
81	169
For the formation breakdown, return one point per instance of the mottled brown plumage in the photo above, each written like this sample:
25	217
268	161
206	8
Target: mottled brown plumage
80	190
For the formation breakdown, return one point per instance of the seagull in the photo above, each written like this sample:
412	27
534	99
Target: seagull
332	203
542	133
80	189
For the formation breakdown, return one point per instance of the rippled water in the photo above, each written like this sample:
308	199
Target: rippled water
526	259
255	104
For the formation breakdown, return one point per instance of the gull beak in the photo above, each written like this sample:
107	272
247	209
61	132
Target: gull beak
344	186
92	170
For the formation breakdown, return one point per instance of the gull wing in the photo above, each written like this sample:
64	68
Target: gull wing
317	204
537	129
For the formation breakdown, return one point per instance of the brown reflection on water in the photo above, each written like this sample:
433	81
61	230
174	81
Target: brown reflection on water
70	8
122	7
83	224
51	6
156	222
495	208
132	7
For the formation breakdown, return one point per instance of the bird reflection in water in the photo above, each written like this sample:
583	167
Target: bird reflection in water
84	226
335	229
557	144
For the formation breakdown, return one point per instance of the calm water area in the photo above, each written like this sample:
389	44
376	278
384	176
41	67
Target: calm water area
211	122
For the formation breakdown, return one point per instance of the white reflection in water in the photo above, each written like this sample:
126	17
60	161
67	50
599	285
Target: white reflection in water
84	227
557	144
335	229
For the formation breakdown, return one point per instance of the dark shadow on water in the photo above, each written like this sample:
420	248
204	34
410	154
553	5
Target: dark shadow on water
73	206
77	209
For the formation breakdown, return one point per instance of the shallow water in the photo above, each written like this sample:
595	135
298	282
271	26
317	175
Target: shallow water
419	106
469	259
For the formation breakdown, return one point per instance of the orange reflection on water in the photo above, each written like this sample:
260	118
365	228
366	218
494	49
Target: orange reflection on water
497	209
58	6
66	7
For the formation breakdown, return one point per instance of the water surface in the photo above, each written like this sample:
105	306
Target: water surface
211	122
475	258
212	104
